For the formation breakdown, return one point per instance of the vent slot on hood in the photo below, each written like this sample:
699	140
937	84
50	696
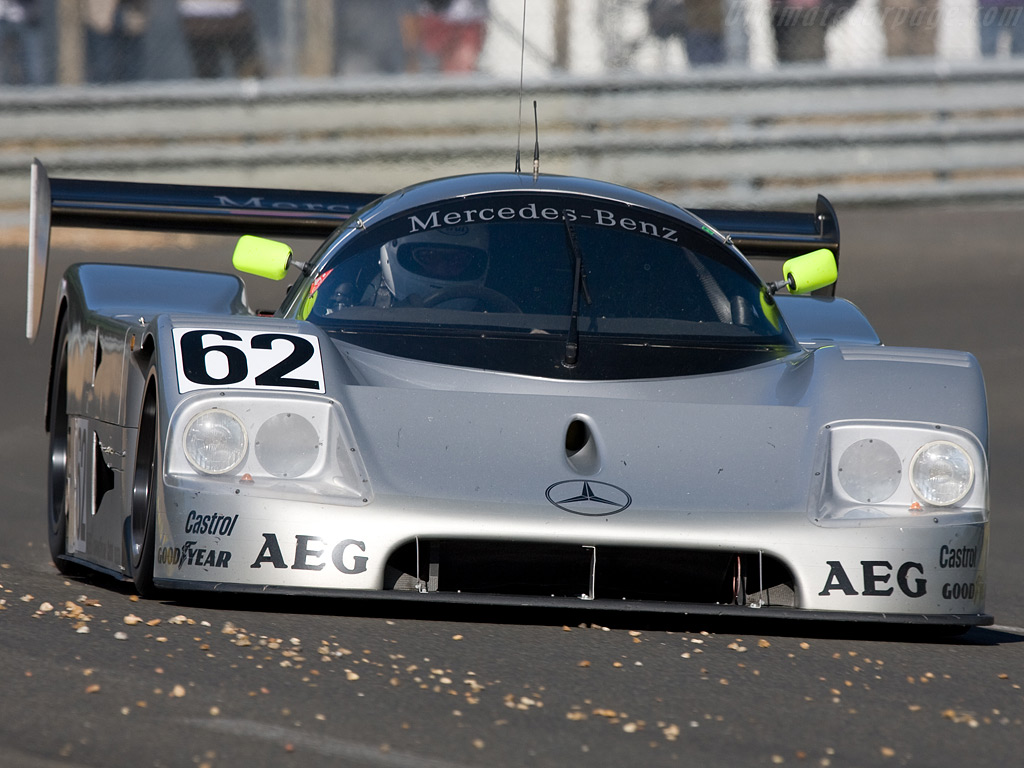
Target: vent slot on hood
581	449
541	569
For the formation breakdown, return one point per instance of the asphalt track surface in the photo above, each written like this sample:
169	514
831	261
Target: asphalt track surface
232	682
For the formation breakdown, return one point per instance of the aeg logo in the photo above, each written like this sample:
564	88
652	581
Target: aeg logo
873	574
308	551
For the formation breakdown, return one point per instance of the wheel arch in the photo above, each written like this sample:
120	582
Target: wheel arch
58	339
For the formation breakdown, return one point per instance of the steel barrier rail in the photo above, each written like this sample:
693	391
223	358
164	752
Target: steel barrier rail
916	131
738	167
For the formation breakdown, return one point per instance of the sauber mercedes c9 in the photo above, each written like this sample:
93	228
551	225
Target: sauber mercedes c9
505	389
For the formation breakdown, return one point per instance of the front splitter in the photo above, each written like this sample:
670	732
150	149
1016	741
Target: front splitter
772	613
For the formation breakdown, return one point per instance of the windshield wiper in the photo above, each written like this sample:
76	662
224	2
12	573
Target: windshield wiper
579	285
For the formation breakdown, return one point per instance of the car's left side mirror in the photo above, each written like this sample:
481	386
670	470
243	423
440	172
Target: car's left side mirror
807	273
263	257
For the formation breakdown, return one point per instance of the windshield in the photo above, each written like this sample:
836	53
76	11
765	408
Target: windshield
511	282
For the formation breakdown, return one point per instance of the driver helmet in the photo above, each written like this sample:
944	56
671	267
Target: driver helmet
421	265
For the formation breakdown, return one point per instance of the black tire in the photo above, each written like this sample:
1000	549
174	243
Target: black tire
141	528
57	490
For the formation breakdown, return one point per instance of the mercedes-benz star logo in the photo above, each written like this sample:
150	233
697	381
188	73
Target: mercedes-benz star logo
591	498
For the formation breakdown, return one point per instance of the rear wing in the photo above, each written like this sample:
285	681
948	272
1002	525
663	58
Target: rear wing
171	208
292	213
779	234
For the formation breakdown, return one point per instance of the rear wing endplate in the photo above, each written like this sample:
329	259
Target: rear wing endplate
171	208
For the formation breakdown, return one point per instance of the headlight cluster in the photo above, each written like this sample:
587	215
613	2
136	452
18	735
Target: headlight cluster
900	470
941	472
273	445
216	442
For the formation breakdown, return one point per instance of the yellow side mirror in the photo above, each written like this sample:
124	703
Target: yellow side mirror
263	257
807	273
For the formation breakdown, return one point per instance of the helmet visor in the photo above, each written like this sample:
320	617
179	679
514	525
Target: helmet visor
441	261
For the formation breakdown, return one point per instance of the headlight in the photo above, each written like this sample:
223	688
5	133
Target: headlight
215	441
287	445
869	470
941	473
899	473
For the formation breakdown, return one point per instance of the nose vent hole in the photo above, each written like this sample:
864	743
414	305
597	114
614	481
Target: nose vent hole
576	437
581	448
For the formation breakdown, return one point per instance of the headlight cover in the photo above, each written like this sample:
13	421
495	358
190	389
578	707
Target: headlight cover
941	473
899	473
869	470
287	445
215	441
281	446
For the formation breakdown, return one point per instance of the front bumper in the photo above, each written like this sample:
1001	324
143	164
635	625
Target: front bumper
926	574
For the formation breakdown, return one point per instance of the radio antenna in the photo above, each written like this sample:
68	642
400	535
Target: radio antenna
536	143
522	59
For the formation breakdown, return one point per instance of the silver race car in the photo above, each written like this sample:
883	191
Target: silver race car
505	389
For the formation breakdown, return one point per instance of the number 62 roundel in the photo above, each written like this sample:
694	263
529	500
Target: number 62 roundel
209	358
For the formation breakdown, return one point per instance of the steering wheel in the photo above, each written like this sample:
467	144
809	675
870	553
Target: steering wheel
490	298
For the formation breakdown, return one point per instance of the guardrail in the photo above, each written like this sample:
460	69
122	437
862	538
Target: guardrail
913	132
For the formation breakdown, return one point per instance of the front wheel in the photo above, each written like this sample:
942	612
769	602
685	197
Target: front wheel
145	485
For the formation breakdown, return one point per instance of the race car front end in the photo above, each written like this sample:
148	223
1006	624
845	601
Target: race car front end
439	487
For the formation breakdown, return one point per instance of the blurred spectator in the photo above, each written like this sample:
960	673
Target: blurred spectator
666	18
219	30
114	32
21	47
699	24
910	27
409	26
799	27
452	32
996	17
369	35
